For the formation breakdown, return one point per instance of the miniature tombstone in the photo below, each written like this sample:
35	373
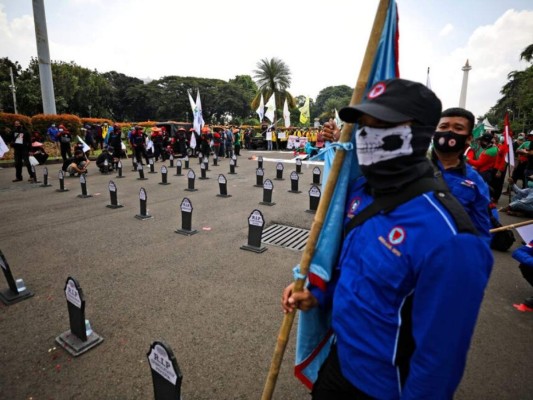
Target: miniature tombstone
140	170
260	162
256	224
314	199
178	168
294	182
259	174
16	290
234	159
200	158
164	174
191	176
268	187
232	166
106	166
83	183
166	375
134	163
186	218
80	337
203	169
171	160
119	169
316	176
299	166
205	162
151	162
215	159
223	186
113	195
61	177
279	171
186	160
45	178
143	198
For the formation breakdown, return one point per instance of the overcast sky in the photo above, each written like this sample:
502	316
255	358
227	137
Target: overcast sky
322	41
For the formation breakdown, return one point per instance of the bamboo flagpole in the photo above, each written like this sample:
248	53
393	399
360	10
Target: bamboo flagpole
325	200
512	226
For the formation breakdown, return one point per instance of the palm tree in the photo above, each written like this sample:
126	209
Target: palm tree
527	54
273	77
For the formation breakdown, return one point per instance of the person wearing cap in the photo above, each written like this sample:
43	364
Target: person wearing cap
408	286
452	137
105	155
65	138
21	144
485	158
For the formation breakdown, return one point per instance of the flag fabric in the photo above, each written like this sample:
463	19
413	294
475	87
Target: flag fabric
338	120
286	114
192	103
261	109
85	147
314	336
507	140
305	112
198	118
3	147
478	131
271	108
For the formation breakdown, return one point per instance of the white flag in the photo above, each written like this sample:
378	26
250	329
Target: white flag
338	119
271	108
198	119
192	103
86	147
3	148
286	114
261	110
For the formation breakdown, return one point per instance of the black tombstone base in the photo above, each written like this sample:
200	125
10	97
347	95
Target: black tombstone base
119	176
259	185
113	206
310	211
202	178
8	297
85	196
265	203
47	185
253	248
164	183
152	172
139	216
178	174
223	195
75	346
142	179
62	190
190	190
232	173
186	232
279	179
294	191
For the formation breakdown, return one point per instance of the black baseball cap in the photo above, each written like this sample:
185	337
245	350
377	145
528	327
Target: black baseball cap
397	100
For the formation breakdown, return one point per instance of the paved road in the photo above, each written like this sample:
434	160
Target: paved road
217	306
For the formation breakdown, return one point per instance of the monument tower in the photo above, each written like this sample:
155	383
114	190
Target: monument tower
464	86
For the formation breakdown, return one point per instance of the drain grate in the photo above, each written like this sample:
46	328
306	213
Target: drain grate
286	236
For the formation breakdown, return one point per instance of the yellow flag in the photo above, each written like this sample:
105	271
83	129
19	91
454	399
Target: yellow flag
305	114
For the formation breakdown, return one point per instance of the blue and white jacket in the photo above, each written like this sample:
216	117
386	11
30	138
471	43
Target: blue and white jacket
405	298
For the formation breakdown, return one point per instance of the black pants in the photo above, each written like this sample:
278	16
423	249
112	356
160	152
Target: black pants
519	173
22	156
527	273
66	151
331	385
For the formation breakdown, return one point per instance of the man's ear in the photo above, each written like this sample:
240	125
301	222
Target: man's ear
469	140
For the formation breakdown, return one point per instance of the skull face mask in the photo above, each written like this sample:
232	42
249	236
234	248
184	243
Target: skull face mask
375	145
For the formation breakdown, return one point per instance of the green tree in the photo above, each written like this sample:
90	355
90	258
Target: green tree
119	102
331	98
6	95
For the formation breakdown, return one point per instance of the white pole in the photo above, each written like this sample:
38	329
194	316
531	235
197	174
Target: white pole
43	54
13	90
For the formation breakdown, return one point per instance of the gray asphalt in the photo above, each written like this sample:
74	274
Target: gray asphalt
216	305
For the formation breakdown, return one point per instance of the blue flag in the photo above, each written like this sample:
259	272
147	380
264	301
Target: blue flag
314	336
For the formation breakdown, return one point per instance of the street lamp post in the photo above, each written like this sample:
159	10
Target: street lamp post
13	90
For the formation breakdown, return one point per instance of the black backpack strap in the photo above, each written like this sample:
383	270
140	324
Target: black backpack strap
388	203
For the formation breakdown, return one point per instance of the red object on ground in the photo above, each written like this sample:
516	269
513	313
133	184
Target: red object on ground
522	307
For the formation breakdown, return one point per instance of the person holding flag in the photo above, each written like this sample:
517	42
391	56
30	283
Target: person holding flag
402	314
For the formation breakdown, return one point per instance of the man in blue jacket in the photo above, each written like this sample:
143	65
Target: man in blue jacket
408	286
452	137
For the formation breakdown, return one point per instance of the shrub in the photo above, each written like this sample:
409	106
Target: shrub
96	121
41	122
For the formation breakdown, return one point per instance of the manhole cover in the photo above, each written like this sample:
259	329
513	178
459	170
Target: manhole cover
285	236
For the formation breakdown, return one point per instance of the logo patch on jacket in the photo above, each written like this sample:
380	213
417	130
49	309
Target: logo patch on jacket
468	183
354	206
396	235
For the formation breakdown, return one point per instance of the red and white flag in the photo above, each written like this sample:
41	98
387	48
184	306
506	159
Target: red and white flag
508	140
